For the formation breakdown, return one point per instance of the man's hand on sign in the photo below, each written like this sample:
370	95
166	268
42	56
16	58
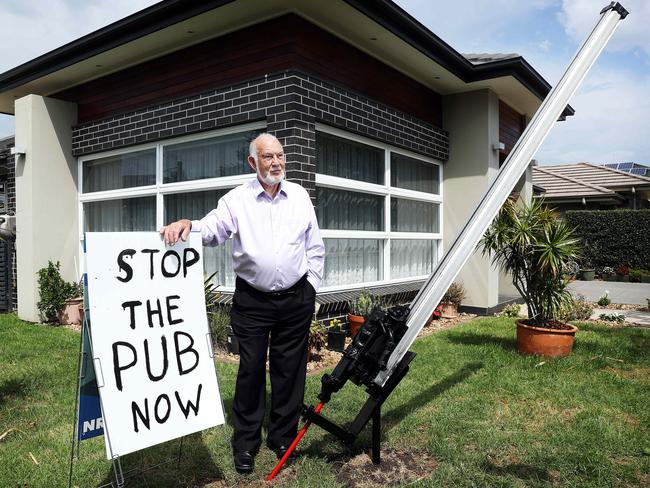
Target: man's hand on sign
172	232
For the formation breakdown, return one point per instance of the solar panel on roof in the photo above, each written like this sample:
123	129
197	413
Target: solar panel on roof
625	166
611	165
638	171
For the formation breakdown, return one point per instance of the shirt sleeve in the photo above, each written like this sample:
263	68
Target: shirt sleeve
315	250
217	226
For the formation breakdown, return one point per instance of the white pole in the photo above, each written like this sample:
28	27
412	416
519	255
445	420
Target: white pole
512	169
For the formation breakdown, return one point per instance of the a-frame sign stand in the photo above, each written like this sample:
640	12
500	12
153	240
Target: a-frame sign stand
86	379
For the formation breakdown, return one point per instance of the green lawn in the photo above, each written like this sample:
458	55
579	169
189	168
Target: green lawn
482	413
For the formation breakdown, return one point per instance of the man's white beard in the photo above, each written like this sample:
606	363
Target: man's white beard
270	180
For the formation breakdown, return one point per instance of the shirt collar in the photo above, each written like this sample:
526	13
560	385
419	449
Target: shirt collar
258	189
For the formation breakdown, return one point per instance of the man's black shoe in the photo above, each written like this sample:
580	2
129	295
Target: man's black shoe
244	461
281	451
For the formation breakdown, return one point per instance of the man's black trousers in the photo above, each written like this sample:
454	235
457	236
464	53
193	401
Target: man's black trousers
279	322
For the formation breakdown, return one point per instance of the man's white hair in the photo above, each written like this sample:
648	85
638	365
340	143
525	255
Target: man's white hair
252	150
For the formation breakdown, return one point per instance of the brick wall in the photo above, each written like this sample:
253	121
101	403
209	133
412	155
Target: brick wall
289	102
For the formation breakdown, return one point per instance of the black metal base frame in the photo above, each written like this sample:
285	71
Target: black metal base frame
370	410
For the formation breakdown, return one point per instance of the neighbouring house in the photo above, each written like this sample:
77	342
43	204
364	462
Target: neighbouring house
587	186
630	167
394	134
7	208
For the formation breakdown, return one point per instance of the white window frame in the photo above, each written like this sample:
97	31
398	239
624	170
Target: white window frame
388	192
159	189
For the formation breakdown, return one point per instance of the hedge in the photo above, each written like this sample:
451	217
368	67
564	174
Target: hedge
613	237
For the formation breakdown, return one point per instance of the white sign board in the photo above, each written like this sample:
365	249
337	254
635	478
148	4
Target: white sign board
150	339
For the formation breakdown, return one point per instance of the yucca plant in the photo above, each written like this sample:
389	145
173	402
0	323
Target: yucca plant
532	244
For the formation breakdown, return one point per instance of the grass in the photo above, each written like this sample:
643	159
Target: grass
487	416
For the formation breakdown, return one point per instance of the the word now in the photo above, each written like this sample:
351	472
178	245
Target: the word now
162	409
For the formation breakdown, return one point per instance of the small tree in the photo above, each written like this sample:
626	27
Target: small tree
534	246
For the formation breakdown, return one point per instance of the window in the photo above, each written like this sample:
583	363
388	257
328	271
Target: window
378	208
144	188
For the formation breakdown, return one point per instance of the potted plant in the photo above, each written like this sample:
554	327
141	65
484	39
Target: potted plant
358	310
587	271
608	274
336	335
532	244
623	273
451	300
317	338
59	300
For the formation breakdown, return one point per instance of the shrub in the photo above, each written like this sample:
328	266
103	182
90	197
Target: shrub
317	336
219	323
54	291
623	270
604	300
363	304
636	274
612	237
511	310
612	317
455	294
576	309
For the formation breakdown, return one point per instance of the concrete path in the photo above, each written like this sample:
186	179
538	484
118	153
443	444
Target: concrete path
629	293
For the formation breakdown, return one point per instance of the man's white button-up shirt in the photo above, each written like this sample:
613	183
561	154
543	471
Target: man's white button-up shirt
275	240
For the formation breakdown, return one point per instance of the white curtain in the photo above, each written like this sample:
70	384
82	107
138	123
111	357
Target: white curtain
120	171
207	158
347	210
413	216
347	159
412	257
121	215
349	261
413	174
193	206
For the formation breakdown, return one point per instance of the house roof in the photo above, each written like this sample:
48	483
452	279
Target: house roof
585	180
380	28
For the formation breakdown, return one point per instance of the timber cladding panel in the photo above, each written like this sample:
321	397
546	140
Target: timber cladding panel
289	102
511	126
285	43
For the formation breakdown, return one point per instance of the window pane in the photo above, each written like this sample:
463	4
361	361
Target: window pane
121	171
412	257
194	206
122	215
207	158
413	174
347	159
350	261
339	209
413	216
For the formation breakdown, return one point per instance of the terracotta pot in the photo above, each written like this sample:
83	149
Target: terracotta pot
355	321
71	314
539	341
448	310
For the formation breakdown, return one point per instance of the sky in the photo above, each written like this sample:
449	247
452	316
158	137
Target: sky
612	120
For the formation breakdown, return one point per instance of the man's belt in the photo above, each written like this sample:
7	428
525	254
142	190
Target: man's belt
241	284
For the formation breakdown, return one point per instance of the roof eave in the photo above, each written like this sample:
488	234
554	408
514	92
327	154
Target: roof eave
384	12
139	24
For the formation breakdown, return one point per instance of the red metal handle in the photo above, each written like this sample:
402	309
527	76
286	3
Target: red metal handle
293	445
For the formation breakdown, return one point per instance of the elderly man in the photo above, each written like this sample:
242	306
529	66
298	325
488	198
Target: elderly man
278	258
